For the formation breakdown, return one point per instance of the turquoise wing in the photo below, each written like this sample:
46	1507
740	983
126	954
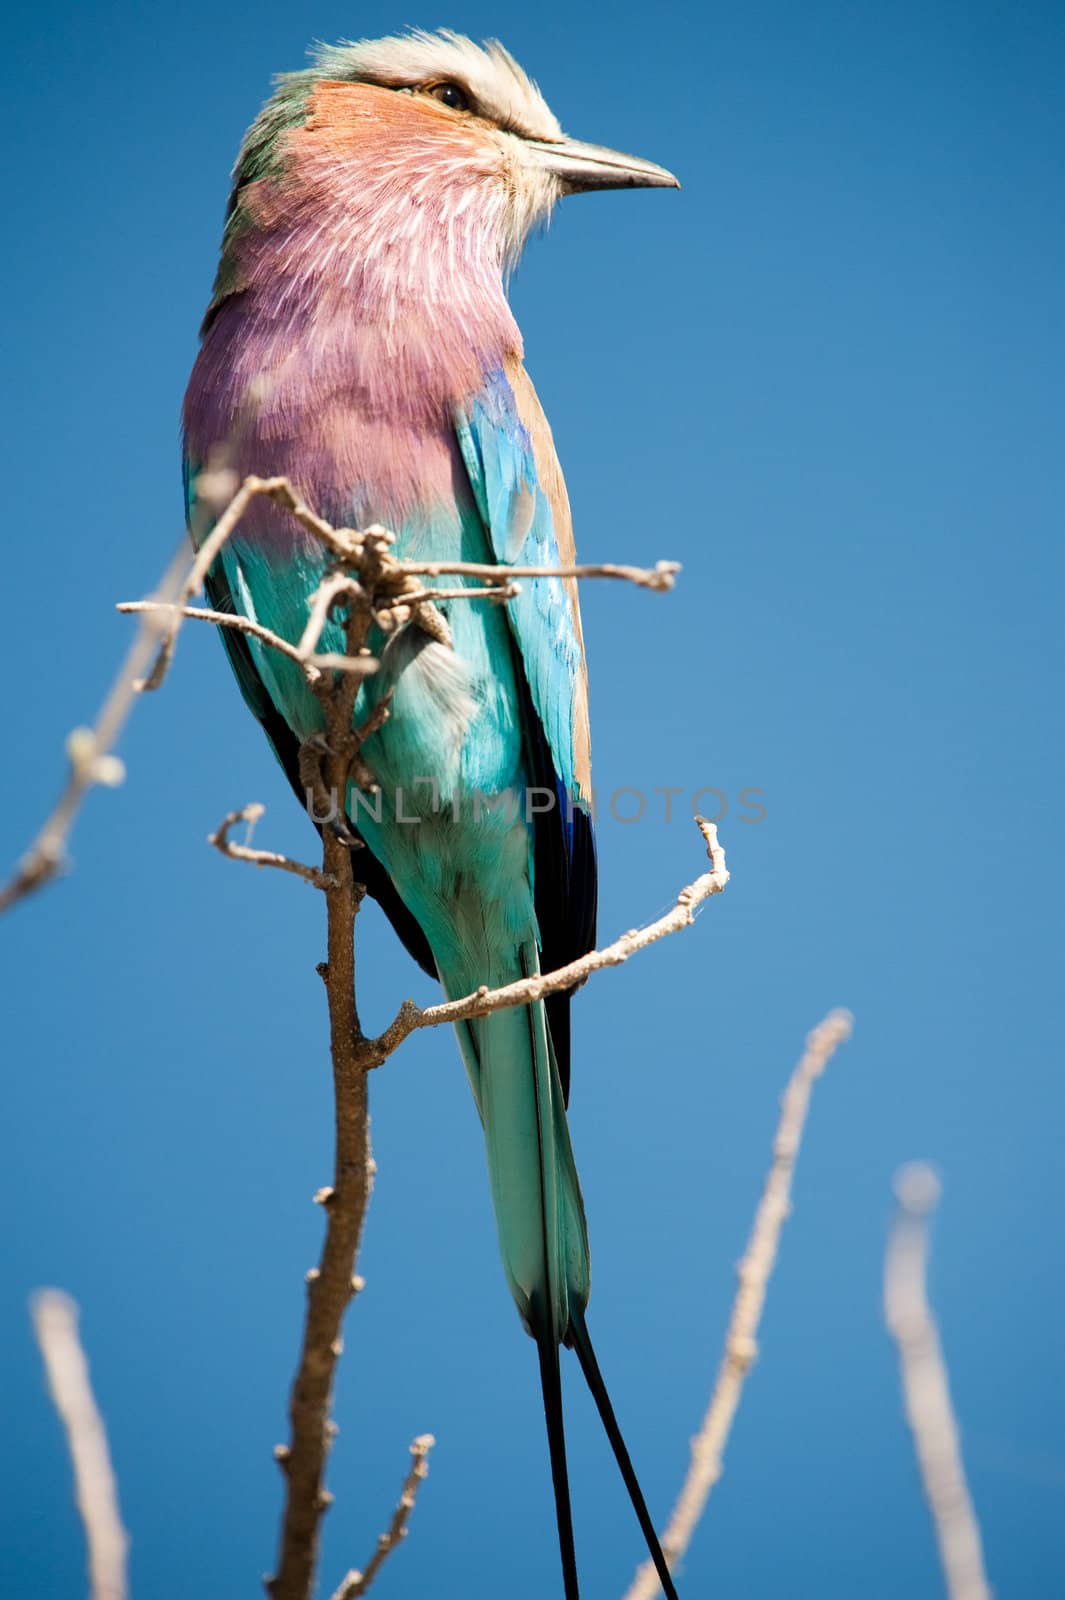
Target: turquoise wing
518	491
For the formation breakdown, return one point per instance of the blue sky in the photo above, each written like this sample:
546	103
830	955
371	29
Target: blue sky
826	377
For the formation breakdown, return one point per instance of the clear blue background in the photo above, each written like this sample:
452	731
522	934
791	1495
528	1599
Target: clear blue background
826	376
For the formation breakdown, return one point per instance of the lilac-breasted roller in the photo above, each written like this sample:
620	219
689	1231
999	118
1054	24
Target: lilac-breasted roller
360	341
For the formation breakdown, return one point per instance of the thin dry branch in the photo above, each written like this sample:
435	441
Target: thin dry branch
365	552
373	1052
708	1446
490	591
55	1323
220	619
357	1583
660	577
250	815
331	1284
926	1388
526	990
311	662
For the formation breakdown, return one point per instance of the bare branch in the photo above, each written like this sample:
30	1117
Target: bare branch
526	990
261	858
708	1446
500	591
220	619
55	1323
366	552
926	1388
357	1583
660	577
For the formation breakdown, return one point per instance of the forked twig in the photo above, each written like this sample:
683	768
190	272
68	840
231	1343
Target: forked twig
483	1001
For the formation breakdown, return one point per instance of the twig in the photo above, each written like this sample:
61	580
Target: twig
220	619
89	751
374	1052
365	552
489	591
708	1446
357	1583
332	1283
261	858
526	990
309	660
926	1388
55	1324
660	577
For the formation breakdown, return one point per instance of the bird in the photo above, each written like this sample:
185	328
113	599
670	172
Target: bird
359	340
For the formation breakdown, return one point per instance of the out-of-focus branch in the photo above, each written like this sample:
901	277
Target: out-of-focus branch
708	1446
55	1323
357	1583
926	1388
89	751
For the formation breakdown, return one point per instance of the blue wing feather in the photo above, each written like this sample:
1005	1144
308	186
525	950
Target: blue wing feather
500	461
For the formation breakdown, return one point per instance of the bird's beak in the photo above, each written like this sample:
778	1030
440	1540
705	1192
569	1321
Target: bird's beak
579	167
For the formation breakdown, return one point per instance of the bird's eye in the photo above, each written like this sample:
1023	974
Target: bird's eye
451	94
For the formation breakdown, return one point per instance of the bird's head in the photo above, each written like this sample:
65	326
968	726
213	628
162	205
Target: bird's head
423	149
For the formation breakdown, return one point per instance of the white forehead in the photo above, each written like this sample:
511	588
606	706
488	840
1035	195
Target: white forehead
502	91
